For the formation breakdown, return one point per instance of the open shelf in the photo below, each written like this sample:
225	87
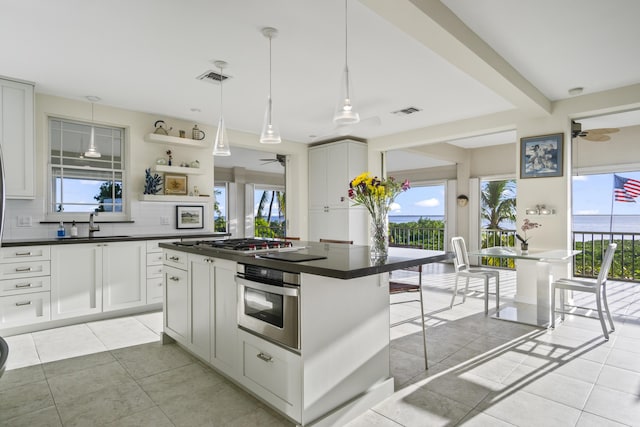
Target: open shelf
170	198
178	169
166	139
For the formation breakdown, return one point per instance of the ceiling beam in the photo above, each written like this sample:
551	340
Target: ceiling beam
435	26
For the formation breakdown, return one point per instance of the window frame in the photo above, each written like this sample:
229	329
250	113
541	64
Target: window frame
224	184
122	216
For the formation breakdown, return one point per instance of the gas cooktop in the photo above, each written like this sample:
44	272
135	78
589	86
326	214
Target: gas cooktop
247	246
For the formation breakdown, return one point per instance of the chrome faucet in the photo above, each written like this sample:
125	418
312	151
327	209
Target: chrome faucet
93	227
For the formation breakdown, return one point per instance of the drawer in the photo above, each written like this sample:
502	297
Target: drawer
24	286
18	310
154	290
154	271
175	259
272	368
25	253
153	245
17	270
155	258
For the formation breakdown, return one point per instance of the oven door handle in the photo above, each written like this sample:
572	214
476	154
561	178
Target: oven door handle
290	292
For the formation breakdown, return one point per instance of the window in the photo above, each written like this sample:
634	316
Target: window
220	208
269	212
80	184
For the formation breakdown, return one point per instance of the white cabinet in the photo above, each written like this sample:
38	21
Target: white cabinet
24	286
124	273
154	271
272	373
200	307
176	304
91	278
17	138
331	168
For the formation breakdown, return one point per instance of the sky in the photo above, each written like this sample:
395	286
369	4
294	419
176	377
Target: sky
592	195
427	201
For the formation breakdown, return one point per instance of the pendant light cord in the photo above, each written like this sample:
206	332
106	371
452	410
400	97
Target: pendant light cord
346	48
221	84
270	37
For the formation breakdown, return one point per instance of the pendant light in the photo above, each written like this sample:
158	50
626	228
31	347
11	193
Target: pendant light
92	152
344	114
270	133
221	146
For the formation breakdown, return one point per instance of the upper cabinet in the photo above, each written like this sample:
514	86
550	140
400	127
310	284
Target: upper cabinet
17	138
331	167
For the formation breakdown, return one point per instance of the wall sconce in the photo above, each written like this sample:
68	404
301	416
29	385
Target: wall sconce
463	200
540	210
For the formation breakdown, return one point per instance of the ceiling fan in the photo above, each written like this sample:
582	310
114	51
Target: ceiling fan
280	158
597	135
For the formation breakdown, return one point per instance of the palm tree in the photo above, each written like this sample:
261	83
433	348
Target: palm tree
498	203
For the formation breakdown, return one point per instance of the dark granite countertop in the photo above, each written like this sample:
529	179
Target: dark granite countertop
98	238
341	262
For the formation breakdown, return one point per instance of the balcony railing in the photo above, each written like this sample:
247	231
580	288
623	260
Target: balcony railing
626	262
418	237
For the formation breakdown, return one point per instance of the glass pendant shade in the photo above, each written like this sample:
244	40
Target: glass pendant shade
270	133
92	151
221	146
344	114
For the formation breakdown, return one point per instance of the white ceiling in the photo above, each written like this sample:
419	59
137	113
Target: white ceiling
144	55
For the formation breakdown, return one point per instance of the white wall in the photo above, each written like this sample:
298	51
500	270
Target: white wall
141	155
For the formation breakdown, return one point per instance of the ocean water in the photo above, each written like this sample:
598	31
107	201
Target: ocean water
586	223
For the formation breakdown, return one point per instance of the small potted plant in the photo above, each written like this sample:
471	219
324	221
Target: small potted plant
526	226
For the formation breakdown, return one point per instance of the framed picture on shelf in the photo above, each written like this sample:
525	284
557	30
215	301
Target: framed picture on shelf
541	156
175	184
189	216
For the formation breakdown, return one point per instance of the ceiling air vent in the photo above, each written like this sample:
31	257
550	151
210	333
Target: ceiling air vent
212	77
406	111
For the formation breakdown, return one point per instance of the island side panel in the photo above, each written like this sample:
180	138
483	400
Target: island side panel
345	342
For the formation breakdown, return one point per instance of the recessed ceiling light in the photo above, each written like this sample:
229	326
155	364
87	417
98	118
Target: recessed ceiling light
196	110
575	91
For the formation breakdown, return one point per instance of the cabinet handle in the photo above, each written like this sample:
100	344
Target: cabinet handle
23	269
23	285
265	357
174	258
18	304
23	254
174	278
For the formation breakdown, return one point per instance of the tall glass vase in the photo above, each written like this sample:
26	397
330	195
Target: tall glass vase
379	234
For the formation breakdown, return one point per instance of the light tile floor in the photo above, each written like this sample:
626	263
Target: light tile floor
482	371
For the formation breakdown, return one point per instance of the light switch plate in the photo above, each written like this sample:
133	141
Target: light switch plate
25	221
164	220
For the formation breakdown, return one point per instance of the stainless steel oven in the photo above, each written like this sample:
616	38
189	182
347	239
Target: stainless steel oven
269	303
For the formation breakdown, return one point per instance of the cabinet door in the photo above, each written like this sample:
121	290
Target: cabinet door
76	280
317	178
124	275
225	325
199	301
176	304
17	138
337	183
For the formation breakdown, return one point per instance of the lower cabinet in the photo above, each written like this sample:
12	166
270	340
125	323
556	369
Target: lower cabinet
273	373
24	309
91	278
200	308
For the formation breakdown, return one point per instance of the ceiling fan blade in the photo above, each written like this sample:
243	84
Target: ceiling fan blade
596	137
602	131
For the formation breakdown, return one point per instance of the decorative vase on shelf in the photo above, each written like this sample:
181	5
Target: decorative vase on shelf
379	235
524	248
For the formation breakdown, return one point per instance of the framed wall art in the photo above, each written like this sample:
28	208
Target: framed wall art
175	184
189	216
541	156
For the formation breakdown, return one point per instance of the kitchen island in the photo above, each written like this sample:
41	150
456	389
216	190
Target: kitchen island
340	367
